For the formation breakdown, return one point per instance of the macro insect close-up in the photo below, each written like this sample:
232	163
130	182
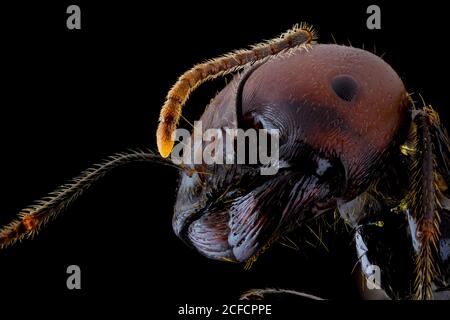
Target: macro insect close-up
354	147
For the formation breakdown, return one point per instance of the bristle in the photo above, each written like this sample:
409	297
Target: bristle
32	218
250	261
425	207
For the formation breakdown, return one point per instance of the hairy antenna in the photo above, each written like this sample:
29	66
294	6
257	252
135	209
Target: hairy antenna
32	218
226	64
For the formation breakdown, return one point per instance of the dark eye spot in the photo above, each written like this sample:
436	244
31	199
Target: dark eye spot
345	87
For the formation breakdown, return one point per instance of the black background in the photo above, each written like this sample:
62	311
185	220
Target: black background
71	97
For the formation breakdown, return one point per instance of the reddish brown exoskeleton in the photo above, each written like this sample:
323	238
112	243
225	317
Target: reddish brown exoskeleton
352	141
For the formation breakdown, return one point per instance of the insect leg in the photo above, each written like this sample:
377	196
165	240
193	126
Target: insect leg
258	294
429	166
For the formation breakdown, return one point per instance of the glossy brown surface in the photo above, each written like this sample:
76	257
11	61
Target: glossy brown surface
339	111
300	95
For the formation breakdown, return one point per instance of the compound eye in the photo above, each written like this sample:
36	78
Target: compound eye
345	87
